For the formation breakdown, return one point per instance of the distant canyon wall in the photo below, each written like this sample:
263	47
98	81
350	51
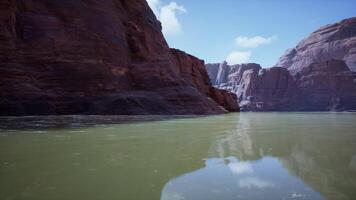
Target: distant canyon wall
317	75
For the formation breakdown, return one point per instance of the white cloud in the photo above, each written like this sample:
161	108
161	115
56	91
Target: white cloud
254	182
240	167
237	57
169	20
167	14
254	42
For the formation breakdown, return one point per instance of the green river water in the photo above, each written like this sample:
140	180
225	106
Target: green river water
226	157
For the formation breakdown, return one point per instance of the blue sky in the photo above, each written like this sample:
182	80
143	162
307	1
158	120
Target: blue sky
245	30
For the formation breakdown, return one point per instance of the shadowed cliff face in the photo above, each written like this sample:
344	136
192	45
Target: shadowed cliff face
94	57
327	86
317	75
194	72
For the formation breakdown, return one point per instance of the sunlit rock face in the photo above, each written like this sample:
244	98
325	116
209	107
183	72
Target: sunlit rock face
257	89
267	90
227	76
93	57
324	66
317	75
331	42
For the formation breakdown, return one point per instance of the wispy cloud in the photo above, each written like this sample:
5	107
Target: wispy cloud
237	57
167	14
240	167
253	42
254	182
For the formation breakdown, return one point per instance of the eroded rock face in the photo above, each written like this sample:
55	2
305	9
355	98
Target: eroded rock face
331	42
228	77
267	90
327	86
321	86
225	99
324	67
94	57
317	75
260	89
193	71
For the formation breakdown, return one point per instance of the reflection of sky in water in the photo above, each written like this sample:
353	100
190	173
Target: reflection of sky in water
251	156
230	178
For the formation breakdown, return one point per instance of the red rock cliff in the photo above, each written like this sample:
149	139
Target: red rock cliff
193	71
94	57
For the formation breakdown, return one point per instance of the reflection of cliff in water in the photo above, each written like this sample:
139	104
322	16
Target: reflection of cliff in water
323	168
326	162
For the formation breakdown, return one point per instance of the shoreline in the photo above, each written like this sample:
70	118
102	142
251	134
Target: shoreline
82	121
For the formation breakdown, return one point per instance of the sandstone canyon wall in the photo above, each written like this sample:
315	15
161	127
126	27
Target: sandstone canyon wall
317	75
331	42
97	57
258	89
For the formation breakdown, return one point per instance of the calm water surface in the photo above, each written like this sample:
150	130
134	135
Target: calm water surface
237	156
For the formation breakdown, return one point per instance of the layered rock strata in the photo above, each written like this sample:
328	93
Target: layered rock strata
331	42
319	74
96	57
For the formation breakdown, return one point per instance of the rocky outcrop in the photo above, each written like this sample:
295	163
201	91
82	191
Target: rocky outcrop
220	72
327	86
317	75
267	90
324	67
259	89
225	99
193	71
228	77
212	69
331	42
95	57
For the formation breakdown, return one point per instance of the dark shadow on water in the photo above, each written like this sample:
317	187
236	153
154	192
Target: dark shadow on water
81	121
